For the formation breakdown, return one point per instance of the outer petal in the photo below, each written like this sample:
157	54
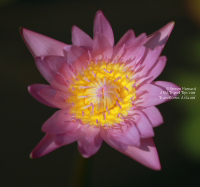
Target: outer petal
89	140
102	26
46	145
60	122
160	37
66	138
146	154
54	97
153	115
40	45
50	142
80	38
34	89
156	93
55	70
172	89
72	53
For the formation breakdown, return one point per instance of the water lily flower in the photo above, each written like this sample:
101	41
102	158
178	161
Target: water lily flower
104	92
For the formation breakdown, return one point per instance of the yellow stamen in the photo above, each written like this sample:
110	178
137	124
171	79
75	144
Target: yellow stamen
102	94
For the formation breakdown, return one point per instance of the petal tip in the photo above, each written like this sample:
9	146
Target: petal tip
31	156
172	23
170	26
74	27
167	29
99	12
29	89
21	30
157	166
85	156
160	37
153	163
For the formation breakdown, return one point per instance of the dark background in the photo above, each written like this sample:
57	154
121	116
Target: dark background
177	140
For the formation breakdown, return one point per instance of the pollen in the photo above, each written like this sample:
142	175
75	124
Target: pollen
102	94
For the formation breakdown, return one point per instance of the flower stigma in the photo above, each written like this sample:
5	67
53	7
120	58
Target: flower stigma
102	94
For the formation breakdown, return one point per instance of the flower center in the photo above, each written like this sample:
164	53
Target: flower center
102	94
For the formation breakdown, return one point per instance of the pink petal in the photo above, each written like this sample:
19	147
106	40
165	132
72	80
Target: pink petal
153	115
101	48
40	45
149	60
157	69
102	26
81	63
133	55
173	89
113	142
55	70
156	93
54	97
127	39
89	140
160	37
143	124
117	53
66	138
46	145
60	122
72	53
80	38
135	50
146	154
127	134
138	41
34	89
50	142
